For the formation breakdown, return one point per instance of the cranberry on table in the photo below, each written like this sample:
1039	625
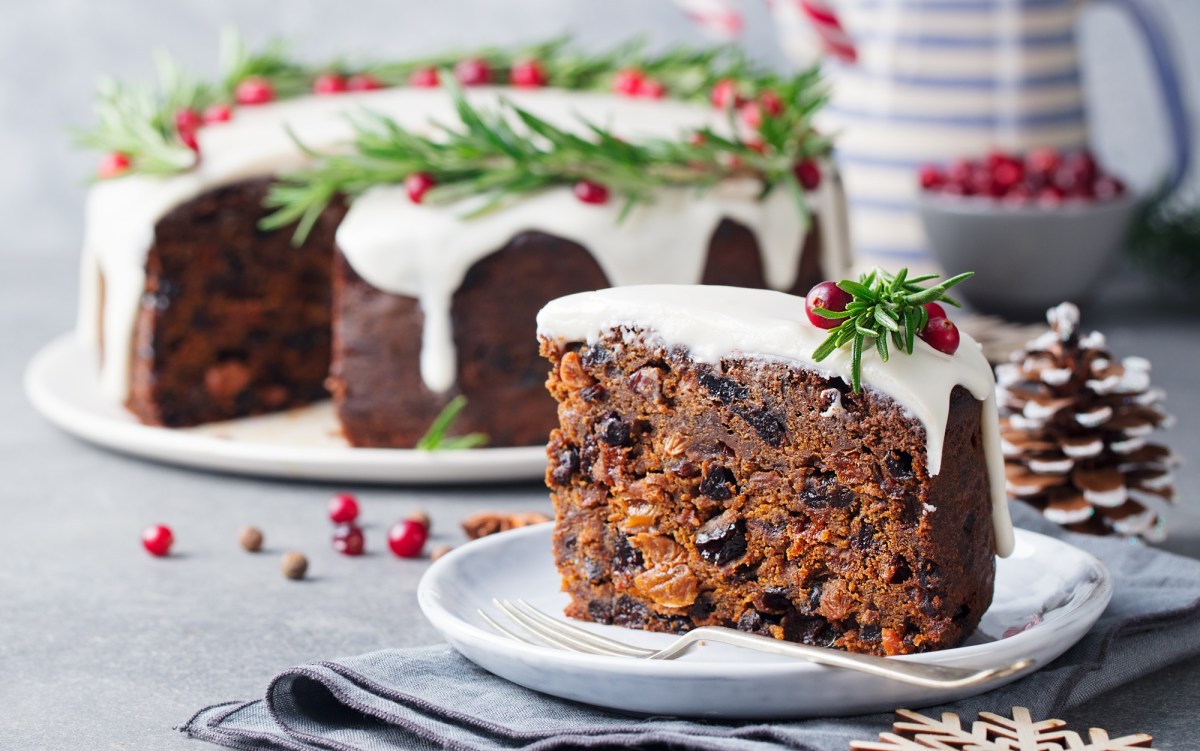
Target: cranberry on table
343	508
112	165
254	90
363	82
157	540
218	113
808	174
329	83
590	192
348	539
941	334
473	72
407	538
424	78
628	81
829	296
527	74
417	185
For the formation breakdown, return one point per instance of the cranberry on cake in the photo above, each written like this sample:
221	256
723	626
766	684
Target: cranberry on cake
720	461
387	235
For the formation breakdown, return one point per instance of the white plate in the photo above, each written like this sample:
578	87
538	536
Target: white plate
1048	594
61	382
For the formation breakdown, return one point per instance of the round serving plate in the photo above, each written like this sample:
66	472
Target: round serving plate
300	444
1048	594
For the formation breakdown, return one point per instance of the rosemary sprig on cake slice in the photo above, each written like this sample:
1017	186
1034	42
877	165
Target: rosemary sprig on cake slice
499	156
882	306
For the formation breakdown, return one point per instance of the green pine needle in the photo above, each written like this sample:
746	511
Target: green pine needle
435	439
883	306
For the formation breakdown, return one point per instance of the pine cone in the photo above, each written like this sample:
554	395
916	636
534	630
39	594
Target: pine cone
1073	430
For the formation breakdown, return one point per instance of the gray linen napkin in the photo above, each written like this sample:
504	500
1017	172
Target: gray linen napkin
432	698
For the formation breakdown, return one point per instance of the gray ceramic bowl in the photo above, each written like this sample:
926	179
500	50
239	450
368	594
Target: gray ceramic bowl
1025	259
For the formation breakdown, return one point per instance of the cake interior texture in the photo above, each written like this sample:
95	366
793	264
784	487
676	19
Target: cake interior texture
761	495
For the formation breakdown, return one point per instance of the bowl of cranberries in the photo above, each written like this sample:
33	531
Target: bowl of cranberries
1038	228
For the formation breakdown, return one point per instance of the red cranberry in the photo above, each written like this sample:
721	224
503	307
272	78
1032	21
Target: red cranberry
751	115
254	90
112	165
1050	196
1083	164
473	72
590	192
363	82
628	81
187	119
527	74
343	508
1107	188
329	83
417	185
724	94
941	334
1042	161
1007	175
424	78
935	310
771	103
407	538
157	540
829	296
808	174
996	157
931	178
960	171
651	89
218	113
348	539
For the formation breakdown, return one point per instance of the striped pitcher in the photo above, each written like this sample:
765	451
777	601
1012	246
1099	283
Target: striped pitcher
939	79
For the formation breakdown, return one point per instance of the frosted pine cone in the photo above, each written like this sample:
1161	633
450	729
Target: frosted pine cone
1074	424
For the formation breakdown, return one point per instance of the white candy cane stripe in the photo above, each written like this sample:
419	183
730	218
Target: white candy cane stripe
718	17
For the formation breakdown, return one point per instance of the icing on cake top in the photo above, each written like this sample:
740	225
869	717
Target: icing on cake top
717	322
379	235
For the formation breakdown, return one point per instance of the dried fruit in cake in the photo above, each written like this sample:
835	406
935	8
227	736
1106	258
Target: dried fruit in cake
853	503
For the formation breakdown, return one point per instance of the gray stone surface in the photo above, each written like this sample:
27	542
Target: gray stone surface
102	647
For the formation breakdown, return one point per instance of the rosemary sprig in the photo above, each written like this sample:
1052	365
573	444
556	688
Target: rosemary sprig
435	438
883	306
498	156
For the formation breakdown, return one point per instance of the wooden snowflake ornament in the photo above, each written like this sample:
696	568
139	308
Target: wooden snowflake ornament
991	732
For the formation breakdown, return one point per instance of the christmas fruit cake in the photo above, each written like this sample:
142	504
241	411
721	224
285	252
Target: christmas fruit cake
716	463
386	235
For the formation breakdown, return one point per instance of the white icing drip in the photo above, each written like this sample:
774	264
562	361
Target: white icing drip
1051	466
715	322
1083	451
1107	498
122	214
1095	417
424	252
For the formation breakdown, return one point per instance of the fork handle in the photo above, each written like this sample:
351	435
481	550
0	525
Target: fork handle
920	674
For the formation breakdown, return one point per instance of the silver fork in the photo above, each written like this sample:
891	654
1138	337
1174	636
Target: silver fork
551	632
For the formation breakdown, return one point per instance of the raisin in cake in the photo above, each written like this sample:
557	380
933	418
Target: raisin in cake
706	472
391	306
